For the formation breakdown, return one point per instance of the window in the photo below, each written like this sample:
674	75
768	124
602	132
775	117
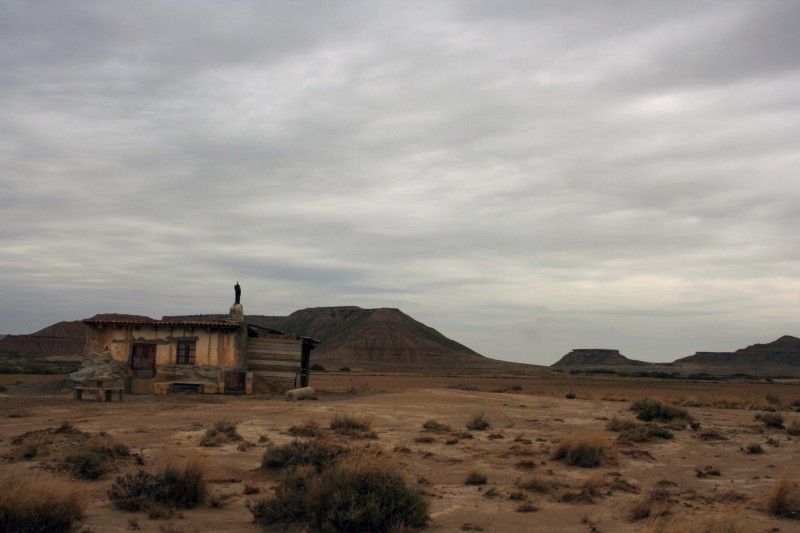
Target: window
185	353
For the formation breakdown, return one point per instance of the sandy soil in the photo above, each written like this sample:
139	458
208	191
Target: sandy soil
528	417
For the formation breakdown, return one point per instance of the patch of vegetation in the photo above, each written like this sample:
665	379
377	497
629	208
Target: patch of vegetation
316	367
539	485
644	433
654	504
345	369
649	410
359	493
352	426
463	386
587	451
711	434
754	448
478	422
221	432
784	500
30	504
171	486
317	453
475	478
309	428
771	420
435	427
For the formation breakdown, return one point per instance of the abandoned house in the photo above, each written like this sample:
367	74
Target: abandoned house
210	356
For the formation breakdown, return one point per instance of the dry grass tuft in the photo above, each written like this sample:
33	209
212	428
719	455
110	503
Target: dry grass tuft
475	478
771	420
478	422
29	504
362	492
221	432
655	504
352	426
587	451
435	427
719	522
785	499
649	409
309	428
318	453
171	486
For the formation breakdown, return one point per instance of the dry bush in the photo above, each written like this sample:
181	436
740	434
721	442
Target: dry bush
644	433
754	448
785	499
719	522
619	424
711	434
793	428
424	439
771	420
435	426
538	484
352	426
654	504
30	504
171	486
587	451
221	432
475	478
361	492
318	453
478	422
649	409
527	507
309	428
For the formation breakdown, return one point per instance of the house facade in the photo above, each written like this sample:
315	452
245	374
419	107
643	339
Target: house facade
211	356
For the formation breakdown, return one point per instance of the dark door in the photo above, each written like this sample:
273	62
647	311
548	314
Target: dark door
143	361
234	382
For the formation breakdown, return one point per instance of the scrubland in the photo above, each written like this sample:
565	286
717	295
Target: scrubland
408	453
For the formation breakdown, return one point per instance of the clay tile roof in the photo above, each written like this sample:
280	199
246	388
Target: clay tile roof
214	324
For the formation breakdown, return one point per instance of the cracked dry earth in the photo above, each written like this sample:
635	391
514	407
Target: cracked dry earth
699	474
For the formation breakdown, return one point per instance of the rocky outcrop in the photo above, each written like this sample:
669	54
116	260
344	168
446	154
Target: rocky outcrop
595	357
782	352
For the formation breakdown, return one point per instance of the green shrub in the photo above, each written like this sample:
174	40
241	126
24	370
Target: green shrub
360	493
29	504
648	410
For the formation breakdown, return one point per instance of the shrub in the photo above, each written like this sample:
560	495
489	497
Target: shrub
345	369
435	427
771	420
570	395
84	464
793	428
360	493
478	422
652	505
223	431
316	367
318	453
644	433
587	451
785	499
350	425
172	485
309	428
475	478
29	504
754	448
648	410
538	484
618	424
772	399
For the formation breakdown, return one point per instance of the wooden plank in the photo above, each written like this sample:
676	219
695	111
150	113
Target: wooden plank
273	362
274	342
273	350
274	357
286	375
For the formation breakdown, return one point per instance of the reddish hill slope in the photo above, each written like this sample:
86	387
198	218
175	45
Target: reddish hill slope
782	354
63	338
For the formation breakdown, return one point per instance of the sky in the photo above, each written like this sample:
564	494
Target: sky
527	177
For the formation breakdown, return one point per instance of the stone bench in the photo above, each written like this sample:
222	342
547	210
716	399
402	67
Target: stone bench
101	393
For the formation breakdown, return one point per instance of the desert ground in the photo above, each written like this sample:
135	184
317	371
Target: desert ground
717	474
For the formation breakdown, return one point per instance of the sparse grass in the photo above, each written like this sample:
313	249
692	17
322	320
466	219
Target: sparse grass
772	399
719	522
359	493
30	504
478	422
309	428
711	434
538	484
654	504
475	478
586	451
221	432
435	426
526	507
648	410
171	486
644	433
771	420
318	453
619	424
345	424
785	499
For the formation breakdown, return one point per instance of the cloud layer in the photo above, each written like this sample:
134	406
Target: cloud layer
527	177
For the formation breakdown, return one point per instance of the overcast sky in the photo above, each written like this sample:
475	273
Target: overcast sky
527	177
